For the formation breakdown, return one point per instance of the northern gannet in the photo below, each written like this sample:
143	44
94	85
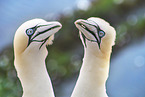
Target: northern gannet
97	37
30	52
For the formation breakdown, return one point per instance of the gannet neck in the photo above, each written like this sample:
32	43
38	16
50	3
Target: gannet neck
30	53
92	77
97	37
33	75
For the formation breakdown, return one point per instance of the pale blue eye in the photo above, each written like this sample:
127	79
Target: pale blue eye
29	31
101	33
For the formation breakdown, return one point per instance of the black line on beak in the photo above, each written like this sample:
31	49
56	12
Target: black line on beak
39	33
91	32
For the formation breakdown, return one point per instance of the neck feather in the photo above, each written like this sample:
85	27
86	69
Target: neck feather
93	76
33	75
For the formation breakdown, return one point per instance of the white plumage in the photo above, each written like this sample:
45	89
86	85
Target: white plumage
30	52
98	37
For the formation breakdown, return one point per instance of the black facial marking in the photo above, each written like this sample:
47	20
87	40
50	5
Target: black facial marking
84	39
30	35
30	32
100	33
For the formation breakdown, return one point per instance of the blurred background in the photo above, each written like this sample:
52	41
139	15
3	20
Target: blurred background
127	68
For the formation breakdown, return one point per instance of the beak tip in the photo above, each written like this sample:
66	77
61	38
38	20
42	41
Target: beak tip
75	22
57	23
60	25
78	21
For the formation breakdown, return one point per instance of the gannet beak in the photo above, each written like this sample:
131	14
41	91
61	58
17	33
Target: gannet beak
87	29
41	32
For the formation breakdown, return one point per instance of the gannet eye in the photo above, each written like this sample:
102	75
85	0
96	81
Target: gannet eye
101	33
29	32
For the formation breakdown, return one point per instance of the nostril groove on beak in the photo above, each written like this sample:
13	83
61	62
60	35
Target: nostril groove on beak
83	26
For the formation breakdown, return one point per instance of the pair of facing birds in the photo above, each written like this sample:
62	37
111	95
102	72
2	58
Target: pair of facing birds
30	51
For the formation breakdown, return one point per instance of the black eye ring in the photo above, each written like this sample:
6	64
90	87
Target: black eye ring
29	32
101	33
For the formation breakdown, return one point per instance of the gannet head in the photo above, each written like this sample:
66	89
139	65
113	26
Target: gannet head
34	34
96	34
